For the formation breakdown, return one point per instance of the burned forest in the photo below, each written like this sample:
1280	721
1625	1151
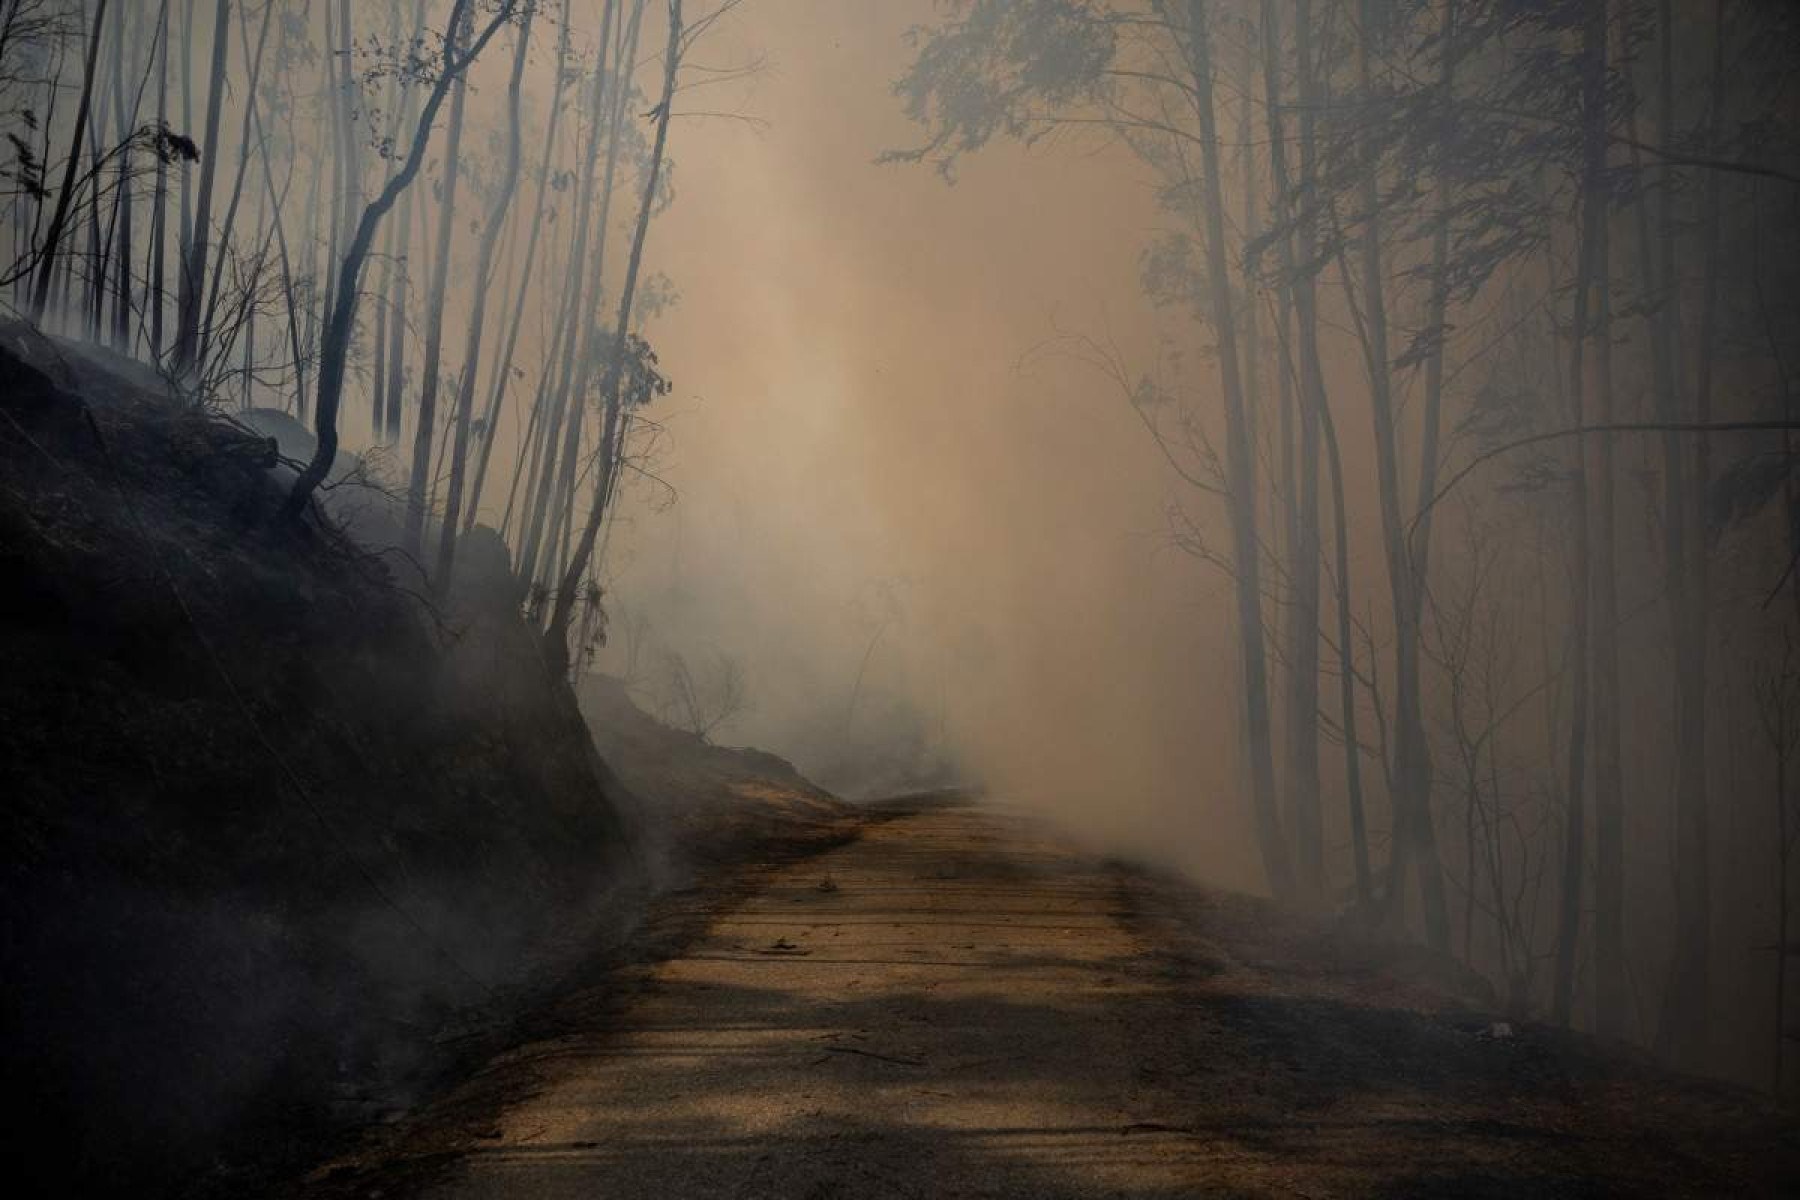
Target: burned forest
893	598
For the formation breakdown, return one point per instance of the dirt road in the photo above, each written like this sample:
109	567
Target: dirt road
955	1004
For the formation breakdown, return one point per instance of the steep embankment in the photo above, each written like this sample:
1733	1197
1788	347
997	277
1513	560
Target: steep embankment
270	820
707	806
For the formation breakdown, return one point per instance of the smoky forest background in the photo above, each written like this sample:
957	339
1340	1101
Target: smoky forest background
1339	448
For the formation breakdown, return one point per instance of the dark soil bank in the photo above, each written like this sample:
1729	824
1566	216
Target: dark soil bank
271	822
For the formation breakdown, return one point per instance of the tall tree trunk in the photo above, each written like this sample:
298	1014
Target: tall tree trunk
338	108
556	637
395	304
1359	828
565	403
263	238
1316	409
247	151
390	311
1281	496
1419	548
546	418
1589	372
331	157
349	92
421	484
490	238
314	312
563	512
334	346
193	267
185	230
1682	1032
276	201
27	281
1437	315
378	368
1415	840
397	91
555	378
124	119
159	217
1609	799
1657	254
93	308
1574	848
1240	474
65	196
502	372
1303	551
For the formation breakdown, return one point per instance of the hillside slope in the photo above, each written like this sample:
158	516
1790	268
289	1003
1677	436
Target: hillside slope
271	820
703	805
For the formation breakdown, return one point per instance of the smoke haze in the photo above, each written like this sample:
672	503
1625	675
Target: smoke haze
903	515
865	403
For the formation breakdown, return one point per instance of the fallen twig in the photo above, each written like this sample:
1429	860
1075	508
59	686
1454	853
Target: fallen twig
903	1062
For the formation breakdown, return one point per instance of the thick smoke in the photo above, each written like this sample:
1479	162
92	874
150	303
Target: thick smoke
872	425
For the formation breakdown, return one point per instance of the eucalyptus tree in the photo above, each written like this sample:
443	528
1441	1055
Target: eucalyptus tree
1295	233
1682	1024
388	333
419	480
1019	68
594	349
157	271
1380	105
484	261
48	249
614	396
555	382
501	375
247	152
335	345
117	259
192	281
